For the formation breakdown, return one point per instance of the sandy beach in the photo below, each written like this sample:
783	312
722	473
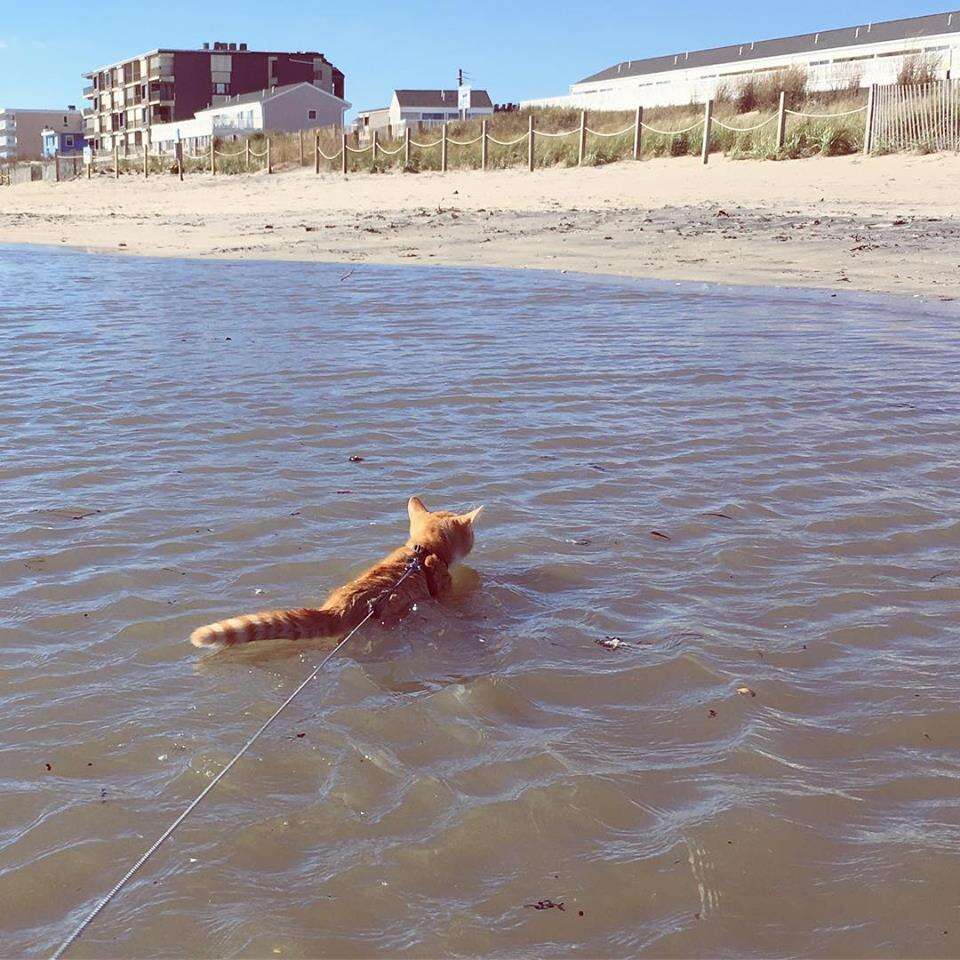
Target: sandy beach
880	224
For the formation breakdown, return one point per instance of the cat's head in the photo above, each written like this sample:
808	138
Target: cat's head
449	534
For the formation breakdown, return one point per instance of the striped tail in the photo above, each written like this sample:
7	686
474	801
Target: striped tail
269	625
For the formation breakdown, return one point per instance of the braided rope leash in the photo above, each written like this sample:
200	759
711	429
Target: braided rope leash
415	564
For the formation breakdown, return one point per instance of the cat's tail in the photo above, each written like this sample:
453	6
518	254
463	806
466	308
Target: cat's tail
269	625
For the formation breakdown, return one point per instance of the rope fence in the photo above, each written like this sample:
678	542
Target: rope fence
827	116
617	133
670	133
756	126
506	143
707	140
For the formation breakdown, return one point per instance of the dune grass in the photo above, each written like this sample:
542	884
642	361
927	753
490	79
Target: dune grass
610	139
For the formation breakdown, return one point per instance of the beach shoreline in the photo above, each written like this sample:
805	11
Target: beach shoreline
873	224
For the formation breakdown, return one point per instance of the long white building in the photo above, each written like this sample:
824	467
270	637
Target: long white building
859	55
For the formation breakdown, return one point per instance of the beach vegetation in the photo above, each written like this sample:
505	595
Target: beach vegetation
746	129
918	68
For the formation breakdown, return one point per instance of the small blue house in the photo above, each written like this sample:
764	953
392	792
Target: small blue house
63	142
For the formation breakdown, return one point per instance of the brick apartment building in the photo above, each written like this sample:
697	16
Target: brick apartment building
164	86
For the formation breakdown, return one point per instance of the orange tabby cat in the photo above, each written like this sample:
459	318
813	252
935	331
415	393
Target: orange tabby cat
443	538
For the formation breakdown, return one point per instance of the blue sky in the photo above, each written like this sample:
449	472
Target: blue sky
525	48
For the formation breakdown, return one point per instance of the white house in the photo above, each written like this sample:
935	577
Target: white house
369	120
437	106
296	106
852	56
423	107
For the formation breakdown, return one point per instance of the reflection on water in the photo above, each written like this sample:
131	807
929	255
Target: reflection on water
176	444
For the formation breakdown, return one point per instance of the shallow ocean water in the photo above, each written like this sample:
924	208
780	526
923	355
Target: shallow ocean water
751	488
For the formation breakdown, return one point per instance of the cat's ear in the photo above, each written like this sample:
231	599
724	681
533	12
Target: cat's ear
415	508
473	516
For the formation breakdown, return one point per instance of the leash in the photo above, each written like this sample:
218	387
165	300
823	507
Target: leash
413	566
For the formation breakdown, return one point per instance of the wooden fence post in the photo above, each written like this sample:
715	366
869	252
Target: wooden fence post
56	166
246	155
406	147
443	148
373	152
300	132
530	144
343	154
637	127
782	121
484	146
116	161
179	151
316	151
868	123
146	158
582	147
269	158
213	157
707	124
90	166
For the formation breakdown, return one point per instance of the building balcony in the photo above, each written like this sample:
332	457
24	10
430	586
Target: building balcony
90	92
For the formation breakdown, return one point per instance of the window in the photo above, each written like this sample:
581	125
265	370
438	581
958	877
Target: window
68	140
221	88
311	114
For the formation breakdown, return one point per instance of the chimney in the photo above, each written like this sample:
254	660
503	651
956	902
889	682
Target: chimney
243	46
71	106
206	46
233	46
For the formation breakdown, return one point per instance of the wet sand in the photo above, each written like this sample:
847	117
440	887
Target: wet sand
881	224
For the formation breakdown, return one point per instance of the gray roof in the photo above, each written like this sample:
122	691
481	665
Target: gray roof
257	95
261	94
440	98
908	29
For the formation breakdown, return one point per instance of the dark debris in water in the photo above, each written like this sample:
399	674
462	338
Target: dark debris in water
614	643
659	535
355	459
547	905
609	643
66	514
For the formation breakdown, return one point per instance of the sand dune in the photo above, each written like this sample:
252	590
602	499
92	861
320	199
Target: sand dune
887	224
